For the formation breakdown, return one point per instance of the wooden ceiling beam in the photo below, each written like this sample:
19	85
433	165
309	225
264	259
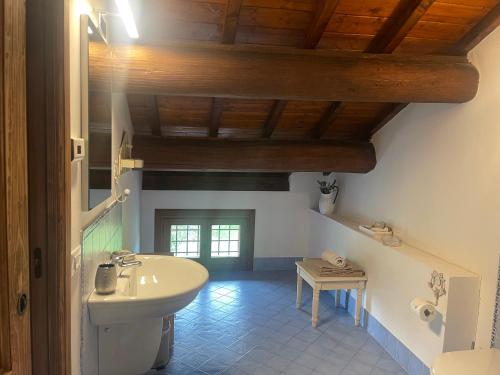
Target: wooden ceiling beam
403	19
231	20
155	120
273	117
327	119
285	73
215	116
489	23
480	31
324	12
214	181
253	155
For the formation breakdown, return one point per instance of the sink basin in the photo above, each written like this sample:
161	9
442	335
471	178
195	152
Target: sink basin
161	286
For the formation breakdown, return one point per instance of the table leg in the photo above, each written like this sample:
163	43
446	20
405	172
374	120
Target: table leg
315	306
337	297
299	291
359	303
347	297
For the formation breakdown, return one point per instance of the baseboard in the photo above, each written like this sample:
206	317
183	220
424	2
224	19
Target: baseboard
395	348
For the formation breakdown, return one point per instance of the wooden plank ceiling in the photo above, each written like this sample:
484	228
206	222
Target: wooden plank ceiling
417	27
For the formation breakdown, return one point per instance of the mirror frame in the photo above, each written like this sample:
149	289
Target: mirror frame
86	23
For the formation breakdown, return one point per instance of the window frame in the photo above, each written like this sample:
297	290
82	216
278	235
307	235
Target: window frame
187	230
229	240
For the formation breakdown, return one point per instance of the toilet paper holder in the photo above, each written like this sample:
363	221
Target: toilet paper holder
437	285
425	310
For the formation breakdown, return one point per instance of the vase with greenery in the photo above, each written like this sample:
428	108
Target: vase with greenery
329	193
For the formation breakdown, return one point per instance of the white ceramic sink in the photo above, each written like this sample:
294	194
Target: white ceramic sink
161	286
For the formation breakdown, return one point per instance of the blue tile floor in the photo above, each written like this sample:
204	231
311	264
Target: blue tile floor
246	323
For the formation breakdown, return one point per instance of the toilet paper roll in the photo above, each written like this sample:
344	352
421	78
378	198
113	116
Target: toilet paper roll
424	309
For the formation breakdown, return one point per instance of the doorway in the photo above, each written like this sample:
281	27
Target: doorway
218	239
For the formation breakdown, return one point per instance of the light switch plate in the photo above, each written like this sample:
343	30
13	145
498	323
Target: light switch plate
77	149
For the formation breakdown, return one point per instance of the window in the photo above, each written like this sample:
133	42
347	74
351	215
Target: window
185	240
225	241
219	239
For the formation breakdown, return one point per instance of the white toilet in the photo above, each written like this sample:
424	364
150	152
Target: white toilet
468	362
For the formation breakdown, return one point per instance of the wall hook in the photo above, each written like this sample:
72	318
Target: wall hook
438	285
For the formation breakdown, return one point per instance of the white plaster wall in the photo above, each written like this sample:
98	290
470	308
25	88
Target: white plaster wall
281	219
437	180
132	211
306	183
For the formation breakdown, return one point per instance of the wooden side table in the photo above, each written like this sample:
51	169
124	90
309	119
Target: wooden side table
318	283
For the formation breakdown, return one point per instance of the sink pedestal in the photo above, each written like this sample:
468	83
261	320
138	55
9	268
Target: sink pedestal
129	348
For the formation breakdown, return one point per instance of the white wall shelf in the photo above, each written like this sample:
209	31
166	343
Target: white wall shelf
423	256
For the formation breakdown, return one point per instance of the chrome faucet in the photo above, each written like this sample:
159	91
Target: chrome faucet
126	266
124	259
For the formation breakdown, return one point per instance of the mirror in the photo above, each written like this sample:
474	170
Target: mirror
96	116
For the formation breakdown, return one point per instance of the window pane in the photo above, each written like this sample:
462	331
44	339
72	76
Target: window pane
181	235
234	235
193	235
224	234
215	247
224	246
193	248
215	235
234	247
181	247
185	240
225	241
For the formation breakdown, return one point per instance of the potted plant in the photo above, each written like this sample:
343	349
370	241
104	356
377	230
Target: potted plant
329	193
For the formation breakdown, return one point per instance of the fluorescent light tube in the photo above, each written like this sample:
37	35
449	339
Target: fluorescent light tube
128	18
84	7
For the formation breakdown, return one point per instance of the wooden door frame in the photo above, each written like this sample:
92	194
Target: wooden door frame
49	177
15	345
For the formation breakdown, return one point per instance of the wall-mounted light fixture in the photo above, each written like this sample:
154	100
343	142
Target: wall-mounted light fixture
126	15
122	164
125	12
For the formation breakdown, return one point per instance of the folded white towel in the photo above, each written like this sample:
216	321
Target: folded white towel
374	231
334	259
